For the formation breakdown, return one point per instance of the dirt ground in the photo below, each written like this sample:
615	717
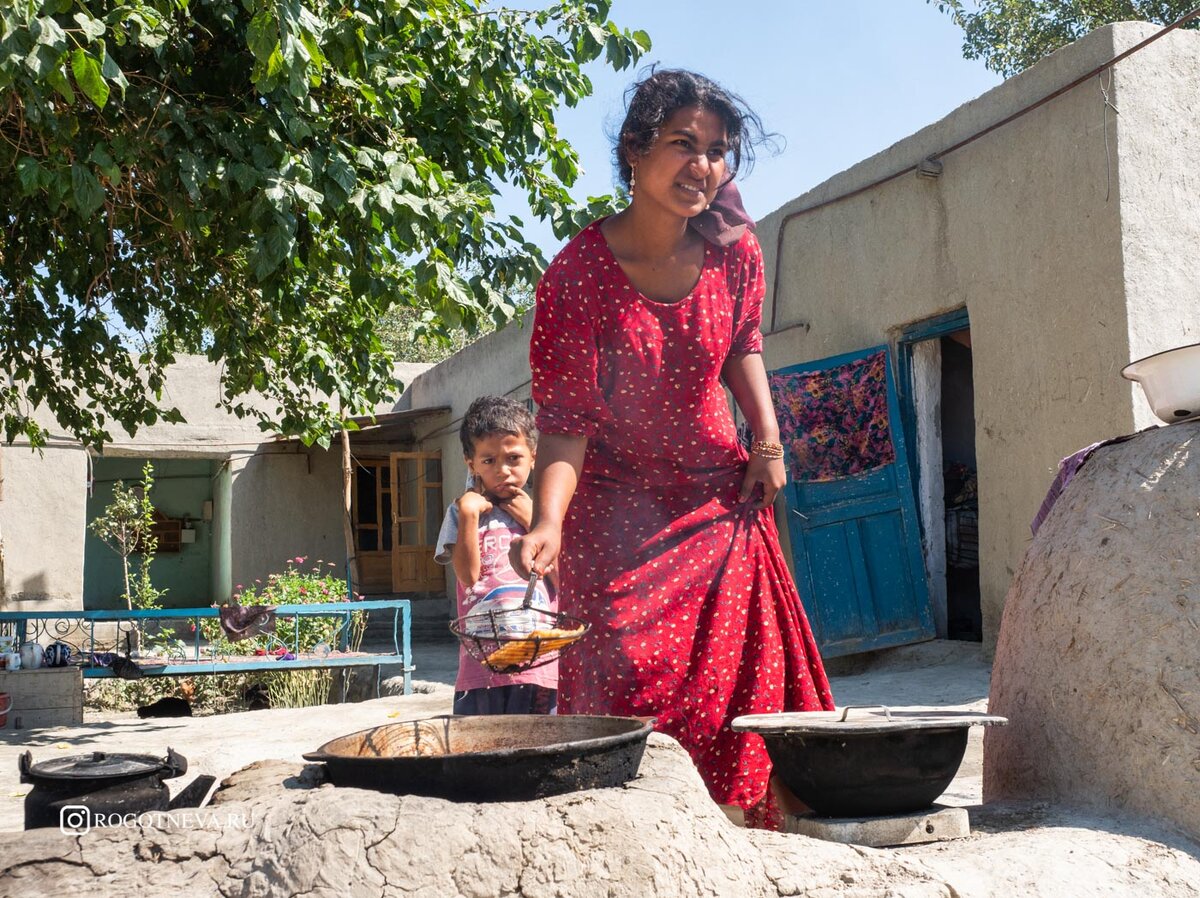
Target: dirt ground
1028	848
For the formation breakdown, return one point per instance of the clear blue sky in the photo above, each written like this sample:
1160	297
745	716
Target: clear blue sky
839	81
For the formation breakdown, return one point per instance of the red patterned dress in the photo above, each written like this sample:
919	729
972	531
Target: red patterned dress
695	617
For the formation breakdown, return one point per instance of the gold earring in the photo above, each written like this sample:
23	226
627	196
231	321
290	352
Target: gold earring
632	180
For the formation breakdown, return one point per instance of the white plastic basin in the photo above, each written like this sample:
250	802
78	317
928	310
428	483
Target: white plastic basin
1170	380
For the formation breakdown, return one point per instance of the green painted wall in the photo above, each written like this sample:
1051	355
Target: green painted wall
181	487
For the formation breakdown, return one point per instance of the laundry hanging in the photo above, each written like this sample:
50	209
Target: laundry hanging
835	422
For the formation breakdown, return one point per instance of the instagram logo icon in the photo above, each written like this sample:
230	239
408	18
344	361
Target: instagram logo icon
75	819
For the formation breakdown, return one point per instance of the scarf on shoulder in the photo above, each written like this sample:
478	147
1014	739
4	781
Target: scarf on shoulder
725	220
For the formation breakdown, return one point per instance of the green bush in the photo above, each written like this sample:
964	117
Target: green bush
317	585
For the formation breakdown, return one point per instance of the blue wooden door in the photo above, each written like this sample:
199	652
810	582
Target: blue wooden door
855	534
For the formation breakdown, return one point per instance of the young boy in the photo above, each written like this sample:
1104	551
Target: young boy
499	447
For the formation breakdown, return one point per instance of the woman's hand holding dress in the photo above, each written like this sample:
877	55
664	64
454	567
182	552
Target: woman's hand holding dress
770	472
746	378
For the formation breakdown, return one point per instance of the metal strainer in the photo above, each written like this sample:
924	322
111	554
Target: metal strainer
518	639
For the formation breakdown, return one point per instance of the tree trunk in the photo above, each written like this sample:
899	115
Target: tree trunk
347	527
125	571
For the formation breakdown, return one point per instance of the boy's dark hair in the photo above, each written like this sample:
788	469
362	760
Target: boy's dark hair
496	414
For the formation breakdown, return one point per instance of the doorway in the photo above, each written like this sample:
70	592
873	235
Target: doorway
855	534
417	510
396	512
938	400
371	520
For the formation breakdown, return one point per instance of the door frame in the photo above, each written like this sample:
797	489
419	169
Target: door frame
927	329
372	561
434	577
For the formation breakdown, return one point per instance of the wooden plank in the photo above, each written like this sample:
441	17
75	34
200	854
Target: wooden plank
208	666
375	571
857	644
421	540
413	567
348	487
397	508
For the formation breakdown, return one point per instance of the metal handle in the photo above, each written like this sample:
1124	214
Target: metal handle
887	712
176	764
533	579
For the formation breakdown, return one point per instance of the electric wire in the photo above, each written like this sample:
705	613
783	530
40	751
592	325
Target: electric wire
938	156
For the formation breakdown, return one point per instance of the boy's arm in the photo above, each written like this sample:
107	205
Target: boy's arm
467	566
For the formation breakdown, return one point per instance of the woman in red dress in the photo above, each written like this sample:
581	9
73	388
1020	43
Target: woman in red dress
668	541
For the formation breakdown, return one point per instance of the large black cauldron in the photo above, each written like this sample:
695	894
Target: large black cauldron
869	765
504	757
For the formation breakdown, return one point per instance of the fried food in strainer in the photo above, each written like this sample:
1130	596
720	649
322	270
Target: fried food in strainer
538	643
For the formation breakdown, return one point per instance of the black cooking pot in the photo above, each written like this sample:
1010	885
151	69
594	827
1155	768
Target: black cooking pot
504	757
885	761
81	791
869	774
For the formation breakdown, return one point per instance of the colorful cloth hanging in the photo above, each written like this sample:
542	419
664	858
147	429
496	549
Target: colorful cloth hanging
835	422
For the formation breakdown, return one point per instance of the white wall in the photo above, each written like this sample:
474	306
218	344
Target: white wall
497	364
43	509
280	499
1157	138
285	504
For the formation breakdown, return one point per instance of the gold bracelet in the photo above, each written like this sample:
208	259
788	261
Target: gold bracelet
766	449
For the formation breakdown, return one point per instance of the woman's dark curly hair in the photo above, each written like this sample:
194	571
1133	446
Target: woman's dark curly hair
660	94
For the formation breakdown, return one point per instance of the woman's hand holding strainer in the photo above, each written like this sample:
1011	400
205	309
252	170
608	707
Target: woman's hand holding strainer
536	550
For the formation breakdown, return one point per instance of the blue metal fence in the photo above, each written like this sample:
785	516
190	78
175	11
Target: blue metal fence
96	637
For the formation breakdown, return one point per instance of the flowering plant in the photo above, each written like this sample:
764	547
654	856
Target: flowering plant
297	585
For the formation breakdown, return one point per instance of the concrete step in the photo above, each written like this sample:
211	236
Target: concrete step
430	620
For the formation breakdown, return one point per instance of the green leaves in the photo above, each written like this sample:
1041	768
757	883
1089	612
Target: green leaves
86	69
86	189
1011	35
267	182
29	175
262	36
91	28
